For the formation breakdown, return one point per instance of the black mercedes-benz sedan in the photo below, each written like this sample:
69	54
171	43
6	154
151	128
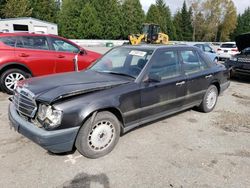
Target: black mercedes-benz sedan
127	87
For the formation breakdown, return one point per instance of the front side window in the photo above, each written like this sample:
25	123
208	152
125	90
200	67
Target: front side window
192	62
165	64
63	46
123	61
32	42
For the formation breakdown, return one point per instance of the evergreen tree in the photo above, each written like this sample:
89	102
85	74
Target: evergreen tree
109	13
133	17
177	24
69	18
2	4
243	24
166	22
16	8
186	23
90	25
45	10
153	15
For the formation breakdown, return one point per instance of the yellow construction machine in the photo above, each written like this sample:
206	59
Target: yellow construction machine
150	34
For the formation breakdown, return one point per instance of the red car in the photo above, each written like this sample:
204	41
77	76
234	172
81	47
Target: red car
23	55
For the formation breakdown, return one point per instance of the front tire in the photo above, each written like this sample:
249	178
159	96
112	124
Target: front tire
209	100
10	77
99	138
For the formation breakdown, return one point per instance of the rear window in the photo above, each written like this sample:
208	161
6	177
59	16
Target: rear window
228	46
9	41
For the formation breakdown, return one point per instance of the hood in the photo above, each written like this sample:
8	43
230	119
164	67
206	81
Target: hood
243	41
50	88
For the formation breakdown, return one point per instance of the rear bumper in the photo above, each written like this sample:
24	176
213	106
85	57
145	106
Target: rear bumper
56	141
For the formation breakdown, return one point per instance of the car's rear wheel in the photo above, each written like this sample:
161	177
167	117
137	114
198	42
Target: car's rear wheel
98	138
10	77
209	100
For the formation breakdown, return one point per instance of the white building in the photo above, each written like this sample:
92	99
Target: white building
27	24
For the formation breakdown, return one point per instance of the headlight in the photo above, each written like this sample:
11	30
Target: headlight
50	117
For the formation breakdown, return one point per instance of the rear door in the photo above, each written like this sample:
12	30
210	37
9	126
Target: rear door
167	95
35	53
7	46
198	73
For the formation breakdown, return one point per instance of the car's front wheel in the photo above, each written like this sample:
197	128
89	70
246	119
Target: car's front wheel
209	100
10	77
98	137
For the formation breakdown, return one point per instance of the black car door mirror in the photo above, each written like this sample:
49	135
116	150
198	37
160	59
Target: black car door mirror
82	52
152	78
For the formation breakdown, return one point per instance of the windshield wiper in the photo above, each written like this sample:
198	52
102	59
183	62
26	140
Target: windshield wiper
120	73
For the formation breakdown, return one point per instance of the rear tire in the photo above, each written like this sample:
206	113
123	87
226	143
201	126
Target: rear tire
10	77
209	100
97	139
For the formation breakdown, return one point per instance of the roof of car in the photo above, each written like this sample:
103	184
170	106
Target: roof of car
156	46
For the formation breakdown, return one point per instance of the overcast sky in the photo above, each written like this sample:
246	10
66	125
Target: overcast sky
174	5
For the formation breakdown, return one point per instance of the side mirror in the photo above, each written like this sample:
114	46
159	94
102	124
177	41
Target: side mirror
82	52
152	78
212	51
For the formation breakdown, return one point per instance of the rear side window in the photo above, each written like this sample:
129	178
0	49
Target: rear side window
226	45
192	62
32	42
9	41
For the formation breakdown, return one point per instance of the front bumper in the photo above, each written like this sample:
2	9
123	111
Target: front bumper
56	141
238	68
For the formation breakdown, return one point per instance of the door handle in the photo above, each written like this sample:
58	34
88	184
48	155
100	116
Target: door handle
24	55
61	56
180	83
208	76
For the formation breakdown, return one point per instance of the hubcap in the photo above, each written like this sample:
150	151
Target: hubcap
12	79
211	98
101	135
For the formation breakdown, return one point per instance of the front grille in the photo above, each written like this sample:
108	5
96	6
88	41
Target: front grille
24	102
244	60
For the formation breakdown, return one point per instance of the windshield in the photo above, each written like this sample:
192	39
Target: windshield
123	61
145	29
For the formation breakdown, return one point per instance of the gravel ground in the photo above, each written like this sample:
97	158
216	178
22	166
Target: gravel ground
189	149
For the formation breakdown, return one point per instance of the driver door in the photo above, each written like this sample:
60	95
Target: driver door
159	98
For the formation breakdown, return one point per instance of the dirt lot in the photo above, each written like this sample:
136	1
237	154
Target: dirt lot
189	149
